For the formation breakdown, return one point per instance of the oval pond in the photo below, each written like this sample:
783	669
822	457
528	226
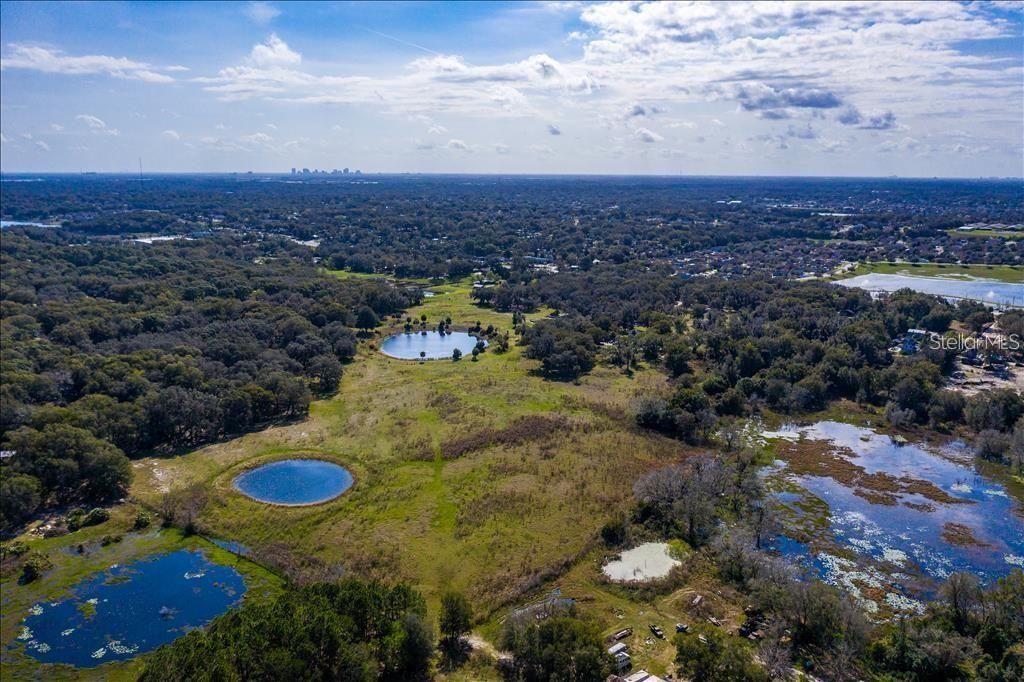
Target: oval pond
295	482
128	610
430	346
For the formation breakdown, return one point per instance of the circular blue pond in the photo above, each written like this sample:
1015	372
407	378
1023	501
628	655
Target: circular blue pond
295	482
128	610
429	346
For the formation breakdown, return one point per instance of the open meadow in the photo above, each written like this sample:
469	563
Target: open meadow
475	476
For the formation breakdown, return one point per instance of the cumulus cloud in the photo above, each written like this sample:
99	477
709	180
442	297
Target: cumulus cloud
883	121
42	145
849	69
638	110
757	96
54	61
170	135
646	135
274	53
56	127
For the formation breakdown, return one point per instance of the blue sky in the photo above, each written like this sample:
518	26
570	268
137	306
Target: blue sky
848	88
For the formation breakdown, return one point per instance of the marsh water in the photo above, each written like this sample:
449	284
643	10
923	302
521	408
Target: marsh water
128	610
900	518
430	346
984	290
295	482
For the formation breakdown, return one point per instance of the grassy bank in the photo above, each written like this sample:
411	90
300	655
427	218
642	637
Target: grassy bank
1002	273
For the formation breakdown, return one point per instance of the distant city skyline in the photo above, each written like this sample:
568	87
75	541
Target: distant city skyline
918	89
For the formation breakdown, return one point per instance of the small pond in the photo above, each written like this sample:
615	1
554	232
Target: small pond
125	611
430	346
295	482
24	223
648	561
984	290
898	519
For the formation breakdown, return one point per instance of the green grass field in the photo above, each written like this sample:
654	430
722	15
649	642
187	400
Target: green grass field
503	523
1002	273
986	234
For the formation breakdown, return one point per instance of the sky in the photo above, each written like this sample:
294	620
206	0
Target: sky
767	88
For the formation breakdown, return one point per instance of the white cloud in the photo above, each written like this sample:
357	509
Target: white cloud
96	125
863	73
256	138
502	149
3	139
646	135
91	121
274	53
42	145
261	12
54	61
171	135
56	127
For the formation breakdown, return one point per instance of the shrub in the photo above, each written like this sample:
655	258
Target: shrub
79	518
96	516
143	519
35	565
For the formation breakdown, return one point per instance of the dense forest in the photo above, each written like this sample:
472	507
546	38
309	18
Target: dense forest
112	350
413	226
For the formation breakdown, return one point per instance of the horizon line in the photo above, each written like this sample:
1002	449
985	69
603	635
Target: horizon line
322	173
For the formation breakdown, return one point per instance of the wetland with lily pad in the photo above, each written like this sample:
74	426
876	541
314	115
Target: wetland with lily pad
889	521
125	611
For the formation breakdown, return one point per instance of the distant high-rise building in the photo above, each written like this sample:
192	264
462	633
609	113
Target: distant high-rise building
293	171
305	171
345	171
